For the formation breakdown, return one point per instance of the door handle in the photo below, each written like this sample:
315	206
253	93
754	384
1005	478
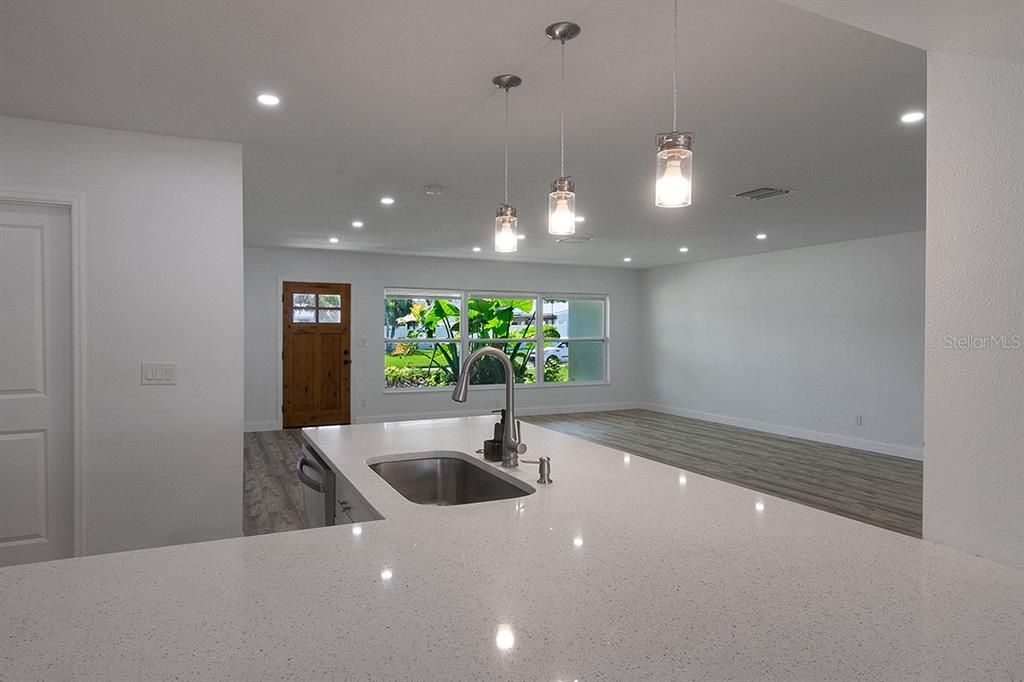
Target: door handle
301	464
346	362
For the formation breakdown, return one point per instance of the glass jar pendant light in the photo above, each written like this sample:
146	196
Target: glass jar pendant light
506	224
673	185
562	200
506	233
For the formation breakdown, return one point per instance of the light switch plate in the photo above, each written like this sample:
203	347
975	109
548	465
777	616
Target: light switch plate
159	374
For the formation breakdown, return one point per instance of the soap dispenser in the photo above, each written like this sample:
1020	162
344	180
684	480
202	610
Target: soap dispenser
492	447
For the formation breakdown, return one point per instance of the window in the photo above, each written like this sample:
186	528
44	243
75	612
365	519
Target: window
423	339
580	352
508	324
316	308
418	329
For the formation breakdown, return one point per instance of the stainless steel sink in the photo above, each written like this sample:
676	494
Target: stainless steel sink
446	478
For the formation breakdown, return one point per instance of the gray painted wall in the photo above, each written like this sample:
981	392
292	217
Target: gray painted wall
163	223
370	274
795	342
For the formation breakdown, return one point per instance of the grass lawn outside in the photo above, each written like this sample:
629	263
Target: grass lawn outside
414	360
422	360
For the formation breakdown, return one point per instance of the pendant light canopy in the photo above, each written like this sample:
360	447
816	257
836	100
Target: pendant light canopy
506	224
674	171
562	200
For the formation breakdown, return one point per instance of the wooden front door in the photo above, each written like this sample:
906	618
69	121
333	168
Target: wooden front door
317	354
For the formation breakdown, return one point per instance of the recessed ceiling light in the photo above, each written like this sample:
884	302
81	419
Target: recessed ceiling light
520	236
912	117
333	240
386	574
357	223
762	236
476	249
627	259
387	201
683	249
759	506
505	639
268	99
580	218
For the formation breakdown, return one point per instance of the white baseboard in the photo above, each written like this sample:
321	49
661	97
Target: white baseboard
261	426
473	412
905	451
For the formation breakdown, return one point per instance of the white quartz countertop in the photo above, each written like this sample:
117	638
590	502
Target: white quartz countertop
623	569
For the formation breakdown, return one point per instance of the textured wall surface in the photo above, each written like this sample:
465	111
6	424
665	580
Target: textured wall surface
974	383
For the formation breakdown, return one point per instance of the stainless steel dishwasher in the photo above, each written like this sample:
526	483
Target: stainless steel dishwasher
318	488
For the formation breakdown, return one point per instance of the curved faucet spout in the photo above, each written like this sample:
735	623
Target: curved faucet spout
512	445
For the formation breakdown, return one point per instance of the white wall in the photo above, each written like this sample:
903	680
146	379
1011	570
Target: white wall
370	274
795	342
162	464
974	397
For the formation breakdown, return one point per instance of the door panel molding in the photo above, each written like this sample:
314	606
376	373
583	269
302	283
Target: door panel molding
24	260
75	202
23	516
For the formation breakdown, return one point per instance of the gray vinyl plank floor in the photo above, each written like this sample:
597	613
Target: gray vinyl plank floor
271	493
876	489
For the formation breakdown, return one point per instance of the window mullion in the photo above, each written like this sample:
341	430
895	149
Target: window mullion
463	330
538	332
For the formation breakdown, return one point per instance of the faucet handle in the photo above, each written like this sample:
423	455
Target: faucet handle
520	445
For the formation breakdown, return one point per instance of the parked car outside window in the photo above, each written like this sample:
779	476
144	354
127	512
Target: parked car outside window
559	353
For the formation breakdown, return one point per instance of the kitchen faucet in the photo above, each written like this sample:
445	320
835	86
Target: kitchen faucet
511	445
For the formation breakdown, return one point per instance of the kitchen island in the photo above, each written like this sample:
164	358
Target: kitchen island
622	569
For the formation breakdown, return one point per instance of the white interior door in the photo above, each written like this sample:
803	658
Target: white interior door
36	464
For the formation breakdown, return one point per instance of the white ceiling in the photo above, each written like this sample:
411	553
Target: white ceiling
385	97
921	23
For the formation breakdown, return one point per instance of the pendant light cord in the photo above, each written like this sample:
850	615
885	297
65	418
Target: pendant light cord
562	122
675	64
506	145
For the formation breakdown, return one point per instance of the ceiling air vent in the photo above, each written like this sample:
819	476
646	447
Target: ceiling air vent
761	193
574	239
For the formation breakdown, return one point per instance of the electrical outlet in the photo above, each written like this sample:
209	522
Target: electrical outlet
159	374
859	420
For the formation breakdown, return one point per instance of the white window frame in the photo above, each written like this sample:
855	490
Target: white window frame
538	340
